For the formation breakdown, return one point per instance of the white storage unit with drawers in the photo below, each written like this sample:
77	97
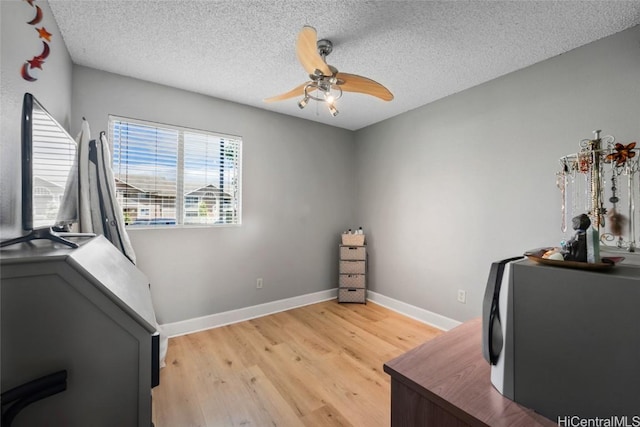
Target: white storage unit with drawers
352	281
86	312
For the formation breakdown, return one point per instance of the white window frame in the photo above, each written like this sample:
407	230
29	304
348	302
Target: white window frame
180	195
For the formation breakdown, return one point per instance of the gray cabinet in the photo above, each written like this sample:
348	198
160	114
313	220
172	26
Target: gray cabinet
87	311
352	280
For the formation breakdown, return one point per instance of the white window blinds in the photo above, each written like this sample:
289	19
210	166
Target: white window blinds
167	175
211	176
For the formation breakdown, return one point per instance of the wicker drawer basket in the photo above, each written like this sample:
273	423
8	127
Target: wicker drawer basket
352	295
353	253
352	267
351	281
353	239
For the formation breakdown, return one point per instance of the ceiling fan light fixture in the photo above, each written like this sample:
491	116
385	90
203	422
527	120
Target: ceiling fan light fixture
321	91
334	92
303	102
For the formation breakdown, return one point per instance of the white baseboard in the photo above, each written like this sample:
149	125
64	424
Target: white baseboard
234	316
420	314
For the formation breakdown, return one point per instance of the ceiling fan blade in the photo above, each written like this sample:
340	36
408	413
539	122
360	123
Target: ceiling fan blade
355	83
297	91
307	50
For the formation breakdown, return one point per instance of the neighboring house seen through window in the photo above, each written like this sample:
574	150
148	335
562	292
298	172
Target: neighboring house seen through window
168	175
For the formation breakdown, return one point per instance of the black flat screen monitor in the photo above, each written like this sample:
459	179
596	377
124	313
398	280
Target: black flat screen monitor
49	176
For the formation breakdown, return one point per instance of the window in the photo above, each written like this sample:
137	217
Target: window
168	175
191	201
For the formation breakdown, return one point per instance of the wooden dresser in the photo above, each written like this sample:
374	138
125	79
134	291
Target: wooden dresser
446	382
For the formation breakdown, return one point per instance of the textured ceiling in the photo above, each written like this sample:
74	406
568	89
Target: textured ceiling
244	51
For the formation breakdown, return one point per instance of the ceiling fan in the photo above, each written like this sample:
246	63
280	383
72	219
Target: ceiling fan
326	83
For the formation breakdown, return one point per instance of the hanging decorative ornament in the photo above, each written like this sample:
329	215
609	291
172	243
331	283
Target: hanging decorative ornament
584	162
617	221
622	153
614	198
561	182
597	209
38	17
38	60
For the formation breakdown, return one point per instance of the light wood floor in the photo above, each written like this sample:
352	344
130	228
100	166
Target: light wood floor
319	365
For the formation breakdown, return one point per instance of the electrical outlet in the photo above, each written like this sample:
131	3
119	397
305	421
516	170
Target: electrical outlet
462	296
259	283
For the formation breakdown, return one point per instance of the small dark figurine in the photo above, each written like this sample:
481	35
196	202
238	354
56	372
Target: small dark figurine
577	246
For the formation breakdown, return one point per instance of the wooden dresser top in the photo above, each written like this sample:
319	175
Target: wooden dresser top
450	371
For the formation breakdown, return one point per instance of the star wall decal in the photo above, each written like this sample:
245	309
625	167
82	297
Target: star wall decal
36	62
44	34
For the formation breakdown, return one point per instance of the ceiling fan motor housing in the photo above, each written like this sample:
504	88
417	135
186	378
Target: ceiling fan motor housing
325	47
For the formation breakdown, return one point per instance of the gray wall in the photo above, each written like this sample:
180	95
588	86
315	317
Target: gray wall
442	190
448	188
297	195
19	42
